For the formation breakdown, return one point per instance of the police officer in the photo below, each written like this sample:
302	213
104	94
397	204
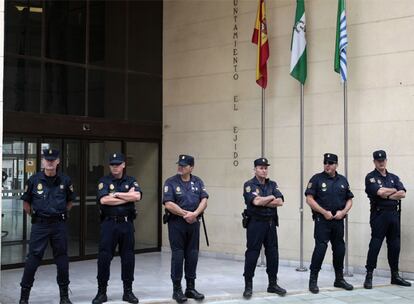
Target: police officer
116	196
262	197
330	199
47	197
385	192
185	199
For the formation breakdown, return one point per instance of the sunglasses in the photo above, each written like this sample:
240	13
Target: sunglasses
329	163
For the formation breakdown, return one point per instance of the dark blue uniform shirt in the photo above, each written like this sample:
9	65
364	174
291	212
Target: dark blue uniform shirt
374	181
252	189
331	193
109	184
48	196
187	195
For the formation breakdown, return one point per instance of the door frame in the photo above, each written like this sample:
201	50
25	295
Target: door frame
39	139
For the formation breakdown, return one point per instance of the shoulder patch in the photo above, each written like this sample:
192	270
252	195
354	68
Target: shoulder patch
165	189
309	185
136	184
100	186
248	189
111	187
372	180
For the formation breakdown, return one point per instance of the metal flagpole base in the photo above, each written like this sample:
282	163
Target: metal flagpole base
262	259
302	269
348	274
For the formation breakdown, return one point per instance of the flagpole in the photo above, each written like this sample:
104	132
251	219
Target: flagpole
262	257
302	129
263	123
346	272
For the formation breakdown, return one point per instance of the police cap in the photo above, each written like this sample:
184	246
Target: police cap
50	154
330	157
379	155
185	160
116	158
261	162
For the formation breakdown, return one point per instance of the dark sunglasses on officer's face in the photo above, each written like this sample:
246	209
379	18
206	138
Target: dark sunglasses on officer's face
329	163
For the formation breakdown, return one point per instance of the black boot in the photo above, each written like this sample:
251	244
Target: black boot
24	295
128	294
178	292
368	280
313	282
397	280
248	288
274	288
64	295
101	295
340	281
191	292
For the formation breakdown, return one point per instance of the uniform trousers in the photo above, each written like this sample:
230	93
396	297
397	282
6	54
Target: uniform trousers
184	241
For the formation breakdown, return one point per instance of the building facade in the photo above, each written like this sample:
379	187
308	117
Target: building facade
84	77
212	109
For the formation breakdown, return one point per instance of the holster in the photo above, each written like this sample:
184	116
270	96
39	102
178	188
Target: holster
166	216
245	218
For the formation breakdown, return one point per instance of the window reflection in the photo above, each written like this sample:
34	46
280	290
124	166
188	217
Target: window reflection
106	96
64	89
21	85
66	30
107	29
24	27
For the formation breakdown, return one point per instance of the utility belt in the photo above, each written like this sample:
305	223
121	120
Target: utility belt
169	216
246	218
316	215
118	218
375	208
49	219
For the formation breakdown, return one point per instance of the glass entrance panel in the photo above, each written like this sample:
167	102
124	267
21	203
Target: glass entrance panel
98	154
71	166
19	163
142	163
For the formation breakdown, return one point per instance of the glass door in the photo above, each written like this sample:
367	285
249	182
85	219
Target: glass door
97	166
19	163
142	163
85	161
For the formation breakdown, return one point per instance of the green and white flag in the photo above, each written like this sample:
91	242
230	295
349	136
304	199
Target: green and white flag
298	65
340	64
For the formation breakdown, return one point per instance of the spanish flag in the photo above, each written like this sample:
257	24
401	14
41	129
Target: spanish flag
260	38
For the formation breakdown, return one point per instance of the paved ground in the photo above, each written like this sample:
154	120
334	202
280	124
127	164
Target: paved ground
221	280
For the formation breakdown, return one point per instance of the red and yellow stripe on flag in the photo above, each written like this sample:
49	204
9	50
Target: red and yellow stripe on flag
260	38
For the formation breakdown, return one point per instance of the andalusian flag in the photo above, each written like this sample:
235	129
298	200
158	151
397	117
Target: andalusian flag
260	38
298	62
341	42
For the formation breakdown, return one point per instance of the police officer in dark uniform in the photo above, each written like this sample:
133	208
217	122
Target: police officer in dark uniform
385	192
47	197
185	199
262	197
116	196
330	198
